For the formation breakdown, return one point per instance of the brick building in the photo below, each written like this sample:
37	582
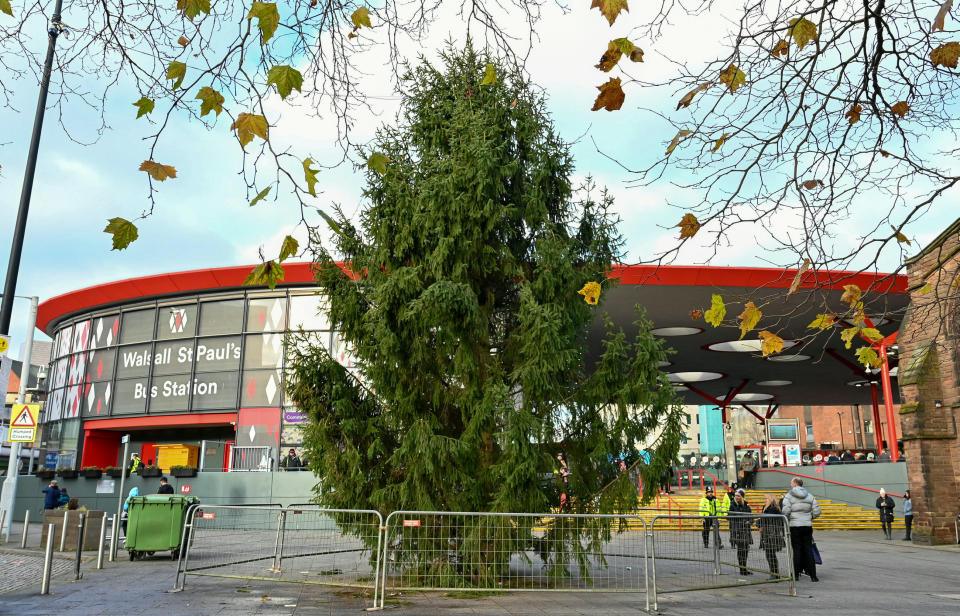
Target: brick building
838	426
930	385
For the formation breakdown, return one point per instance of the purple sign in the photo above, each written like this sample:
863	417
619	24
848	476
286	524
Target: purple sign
294	417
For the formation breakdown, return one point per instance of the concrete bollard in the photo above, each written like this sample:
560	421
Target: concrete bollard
80	529
26	530
103	539
48	561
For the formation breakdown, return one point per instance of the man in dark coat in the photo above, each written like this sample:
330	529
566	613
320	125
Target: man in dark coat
740	519
51	496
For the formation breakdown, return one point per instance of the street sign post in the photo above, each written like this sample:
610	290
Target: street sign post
23	423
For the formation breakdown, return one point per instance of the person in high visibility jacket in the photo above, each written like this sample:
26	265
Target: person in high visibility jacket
135	463
728	499
710	509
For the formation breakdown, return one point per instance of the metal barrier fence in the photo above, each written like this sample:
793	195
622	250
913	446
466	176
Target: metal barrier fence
463	551
715	552
298	544
251	459
453	551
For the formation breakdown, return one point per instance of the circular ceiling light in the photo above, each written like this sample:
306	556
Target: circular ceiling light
789	358
693	377
664	364
858	383
679	387
668	332
748	397
744	346
894	370
774	383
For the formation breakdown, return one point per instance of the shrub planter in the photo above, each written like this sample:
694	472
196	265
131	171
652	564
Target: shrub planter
184	471
116	473
45	474
92	473
150	471
68	473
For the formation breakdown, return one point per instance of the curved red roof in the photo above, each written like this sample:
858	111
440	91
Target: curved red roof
132	289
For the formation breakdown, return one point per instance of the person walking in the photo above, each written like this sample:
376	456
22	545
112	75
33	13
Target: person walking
51	496
749	467
165	488
741	520
134	491
801	509
772	535
885	506
710	509
907	514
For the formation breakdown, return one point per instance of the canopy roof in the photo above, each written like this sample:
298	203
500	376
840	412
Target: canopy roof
712	360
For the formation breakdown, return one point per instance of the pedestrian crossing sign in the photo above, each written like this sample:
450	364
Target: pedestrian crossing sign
23	423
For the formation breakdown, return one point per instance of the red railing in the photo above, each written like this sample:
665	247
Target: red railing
690	482
839	483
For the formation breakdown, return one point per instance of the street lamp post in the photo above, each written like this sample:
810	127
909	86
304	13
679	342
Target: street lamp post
8	496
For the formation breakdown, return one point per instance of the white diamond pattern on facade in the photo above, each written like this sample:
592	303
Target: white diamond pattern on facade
276	314
252	433
91	398
270	389
106	394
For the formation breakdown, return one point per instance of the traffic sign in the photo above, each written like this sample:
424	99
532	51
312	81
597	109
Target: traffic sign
23	425
4	344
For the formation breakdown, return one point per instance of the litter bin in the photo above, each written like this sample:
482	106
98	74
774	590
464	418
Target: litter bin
155	524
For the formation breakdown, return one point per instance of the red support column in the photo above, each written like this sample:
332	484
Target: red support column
877	429
888	404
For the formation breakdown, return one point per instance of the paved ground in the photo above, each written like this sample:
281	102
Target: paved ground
862	574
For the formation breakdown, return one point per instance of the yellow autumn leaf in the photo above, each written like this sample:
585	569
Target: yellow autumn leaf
749	318
689	225
719	142
717	311
851	294
848	335
859	316
611	96
871	334
781	48
688	97
616	49
771	344
868	357
157	171
733	78
940	20
247	125
901	238
590	292
360	18
854	114
900	108
803	31
927	288
798	277
676	140
946	55
823	321
610	8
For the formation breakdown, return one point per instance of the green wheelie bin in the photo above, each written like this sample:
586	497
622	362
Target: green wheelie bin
155	524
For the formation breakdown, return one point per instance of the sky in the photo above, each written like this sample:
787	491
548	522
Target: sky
203	218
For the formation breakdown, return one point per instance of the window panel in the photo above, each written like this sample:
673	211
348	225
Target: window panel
308	312
97	399
215	390
177	321
342	352
267	314
54	406
170	393
137	325
130	397
134	360
103	332
63	344
261	388
221	317
263	351
218	354
175	357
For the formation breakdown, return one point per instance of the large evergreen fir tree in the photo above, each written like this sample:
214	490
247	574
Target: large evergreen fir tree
458	293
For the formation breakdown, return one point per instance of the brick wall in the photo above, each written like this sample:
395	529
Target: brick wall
929	379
